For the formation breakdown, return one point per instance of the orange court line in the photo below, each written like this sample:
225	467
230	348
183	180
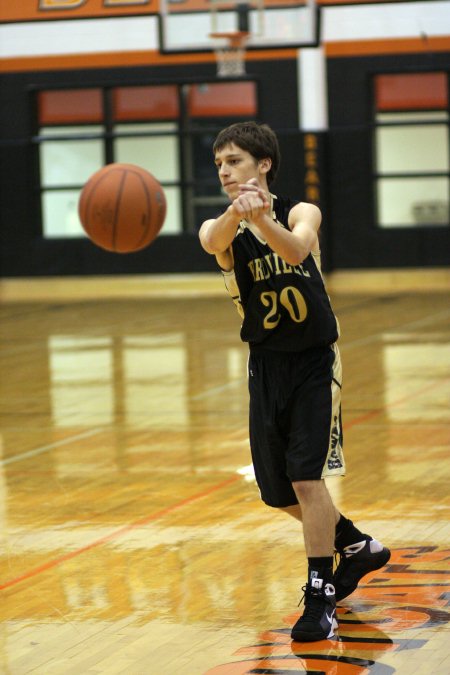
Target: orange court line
117	533
377	411
178	505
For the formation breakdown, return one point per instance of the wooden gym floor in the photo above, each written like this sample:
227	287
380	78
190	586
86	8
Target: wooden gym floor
133	538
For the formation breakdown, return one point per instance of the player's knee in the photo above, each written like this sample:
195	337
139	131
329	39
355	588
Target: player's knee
308	490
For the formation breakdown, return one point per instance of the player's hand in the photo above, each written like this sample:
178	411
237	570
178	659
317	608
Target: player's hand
252	201
252	187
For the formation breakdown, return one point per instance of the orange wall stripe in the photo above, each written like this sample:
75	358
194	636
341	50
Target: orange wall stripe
394	46
124	59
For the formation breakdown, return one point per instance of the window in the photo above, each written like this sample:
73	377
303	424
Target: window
158	127
146	133
211	107
76	139
71	150
412	150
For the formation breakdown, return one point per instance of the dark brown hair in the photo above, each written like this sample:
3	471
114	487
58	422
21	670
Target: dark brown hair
257	139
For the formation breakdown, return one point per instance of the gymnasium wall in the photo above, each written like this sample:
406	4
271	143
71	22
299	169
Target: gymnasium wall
356	242
51	44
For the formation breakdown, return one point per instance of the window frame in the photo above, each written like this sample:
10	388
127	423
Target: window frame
187	128
378	176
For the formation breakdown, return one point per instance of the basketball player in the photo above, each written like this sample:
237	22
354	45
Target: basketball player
268	250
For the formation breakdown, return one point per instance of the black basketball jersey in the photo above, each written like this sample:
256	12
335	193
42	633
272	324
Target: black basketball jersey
283	307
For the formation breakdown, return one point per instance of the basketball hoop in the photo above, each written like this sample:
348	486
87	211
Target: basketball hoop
229	49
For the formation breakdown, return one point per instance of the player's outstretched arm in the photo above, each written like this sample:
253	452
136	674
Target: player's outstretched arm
216	234
304	223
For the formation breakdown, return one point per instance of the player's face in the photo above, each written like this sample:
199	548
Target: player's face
235	166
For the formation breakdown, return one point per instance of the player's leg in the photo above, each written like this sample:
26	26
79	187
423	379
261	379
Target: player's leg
318	621
319	517
267	442
359	553
315	442
270	386
295	511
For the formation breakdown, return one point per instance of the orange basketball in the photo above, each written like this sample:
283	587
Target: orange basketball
122	208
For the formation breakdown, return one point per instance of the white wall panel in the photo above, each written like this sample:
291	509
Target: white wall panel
399	20
40	38
312	87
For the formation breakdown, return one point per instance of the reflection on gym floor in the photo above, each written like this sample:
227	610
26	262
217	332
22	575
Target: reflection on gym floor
134	540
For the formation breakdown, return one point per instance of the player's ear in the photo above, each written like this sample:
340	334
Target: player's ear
265	165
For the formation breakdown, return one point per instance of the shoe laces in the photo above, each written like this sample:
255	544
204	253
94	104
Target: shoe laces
313	601
303	596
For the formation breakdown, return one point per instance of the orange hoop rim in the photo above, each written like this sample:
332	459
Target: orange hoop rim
235	38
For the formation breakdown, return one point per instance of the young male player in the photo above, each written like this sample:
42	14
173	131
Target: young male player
268	250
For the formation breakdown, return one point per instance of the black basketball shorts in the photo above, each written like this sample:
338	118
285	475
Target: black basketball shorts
295	419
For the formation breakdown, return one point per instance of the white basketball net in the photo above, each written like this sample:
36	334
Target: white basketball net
230	58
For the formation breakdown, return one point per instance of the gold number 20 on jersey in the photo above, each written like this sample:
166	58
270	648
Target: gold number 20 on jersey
290	298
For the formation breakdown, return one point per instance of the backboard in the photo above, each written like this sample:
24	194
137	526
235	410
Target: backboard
187	25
